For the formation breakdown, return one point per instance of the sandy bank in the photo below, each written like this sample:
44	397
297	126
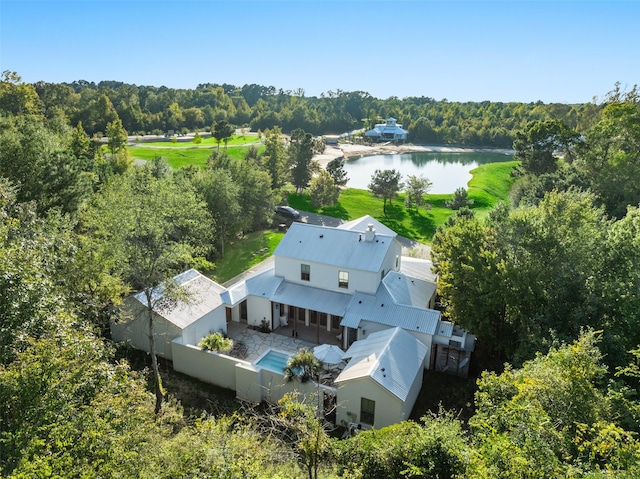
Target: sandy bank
349	150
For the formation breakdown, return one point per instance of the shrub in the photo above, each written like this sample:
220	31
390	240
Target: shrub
216	342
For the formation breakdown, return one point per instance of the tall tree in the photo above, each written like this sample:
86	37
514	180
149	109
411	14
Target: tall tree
536	144
386	184
323	191
153	229
610	155
416	188
222	130
274	158
301	151
336	169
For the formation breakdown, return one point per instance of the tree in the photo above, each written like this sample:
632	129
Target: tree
274	158
385	184
16	97
460	200
610	155
222	195
116	136
416	188
551	413
323	191
300	152
303	365
536	144
152	229
336	169
222	130
434	448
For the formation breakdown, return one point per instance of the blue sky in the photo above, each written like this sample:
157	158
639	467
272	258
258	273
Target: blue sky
567	52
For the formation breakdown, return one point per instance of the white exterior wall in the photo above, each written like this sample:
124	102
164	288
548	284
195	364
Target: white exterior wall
326	276
208	366
395	251
368	327
136	330
388	410
213	322
258	309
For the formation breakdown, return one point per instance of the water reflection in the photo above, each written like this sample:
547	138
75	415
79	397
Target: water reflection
447	171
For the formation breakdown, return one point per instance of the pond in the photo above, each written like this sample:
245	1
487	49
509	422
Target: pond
447	171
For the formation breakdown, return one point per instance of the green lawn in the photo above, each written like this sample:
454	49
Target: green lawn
179	157
244	253
208	141
489	185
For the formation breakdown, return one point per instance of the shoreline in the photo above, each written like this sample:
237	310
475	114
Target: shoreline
349	150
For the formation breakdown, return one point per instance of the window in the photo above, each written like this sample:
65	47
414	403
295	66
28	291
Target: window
305	272
343	279
367	411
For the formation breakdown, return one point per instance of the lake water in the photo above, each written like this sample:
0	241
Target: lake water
447	171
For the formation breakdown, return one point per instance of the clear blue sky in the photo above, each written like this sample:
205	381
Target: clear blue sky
555	51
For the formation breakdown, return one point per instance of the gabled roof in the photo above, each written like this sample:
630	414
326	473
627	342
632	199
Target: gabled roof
361	224
391	357
418	268
263	284
334	246
204	297
381	308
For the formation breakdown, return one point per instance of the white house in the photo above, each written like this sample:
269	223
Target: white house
387	131
192	319
382	380
348	286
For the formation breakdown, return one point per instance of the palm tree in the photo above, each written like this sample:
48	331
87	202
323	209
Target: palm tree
303	365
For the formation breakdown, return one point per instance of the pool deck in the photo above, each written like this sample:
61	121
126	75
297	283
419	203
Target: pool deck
250	344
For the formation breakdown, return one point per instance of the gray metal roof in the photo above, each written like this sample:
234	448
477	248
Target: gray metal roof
393	358
381	308
204	296
409	291
334	246
361	224
312	298
418	268
263	284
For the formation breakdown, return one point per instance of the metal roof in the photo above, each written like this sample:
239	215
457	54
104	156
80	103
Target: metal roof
204	296
263	284
311	298
361	224
393	358
381	308
418	268
409	291
334	246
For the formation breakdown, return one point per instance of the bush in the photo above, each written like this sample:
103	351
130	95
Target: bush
216	342
459	200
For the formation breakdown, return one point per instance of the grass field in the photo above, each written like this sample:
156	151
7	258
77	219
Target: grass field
244	253
179	157
208	141
490	184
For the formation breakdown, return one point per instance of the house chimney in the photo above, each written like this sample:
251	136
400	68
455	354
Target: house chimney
369	234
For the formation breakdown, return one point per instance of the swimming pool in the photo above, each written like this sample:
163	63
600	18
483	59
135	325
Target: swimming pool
273	360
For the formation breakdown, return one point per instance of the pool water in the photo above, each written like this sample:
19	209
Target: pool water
273	360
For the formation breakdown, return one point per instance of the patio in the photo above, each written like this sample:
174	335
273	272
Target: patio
250	344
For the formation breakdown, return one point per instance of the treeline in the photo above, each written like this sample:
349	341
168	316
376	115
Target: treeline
157	110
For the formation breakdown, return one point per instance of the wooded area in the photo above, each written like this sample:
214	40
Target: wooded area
550	283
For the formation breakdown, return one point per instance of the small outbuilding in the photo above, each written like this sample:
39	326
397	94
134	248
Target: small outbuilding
381	381
192	319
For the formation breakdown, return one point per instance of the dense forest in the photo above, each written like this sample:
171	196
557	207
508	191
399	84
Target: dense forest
550	283
148	109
